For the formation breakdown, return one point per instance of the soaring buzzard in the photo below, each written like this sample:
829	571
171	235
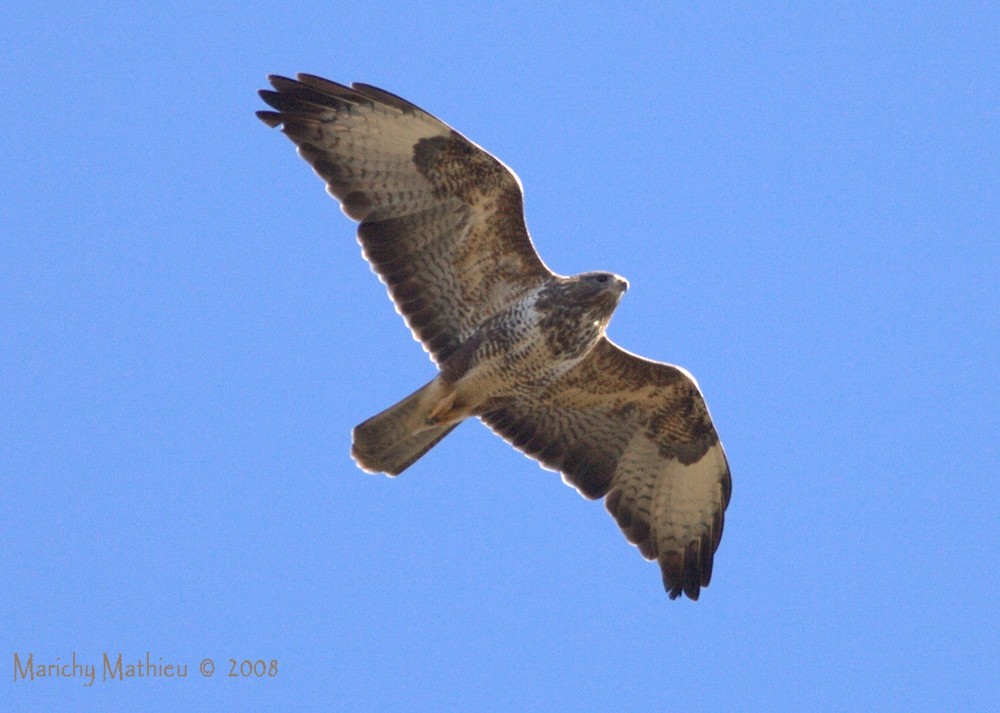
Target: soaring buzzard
518	346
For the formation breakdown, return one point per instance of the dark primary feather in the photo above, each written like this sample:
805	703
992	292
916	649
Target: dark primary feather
441	220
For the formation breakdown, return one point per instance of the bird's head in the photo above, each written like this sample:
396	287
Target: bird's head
601	289
597	294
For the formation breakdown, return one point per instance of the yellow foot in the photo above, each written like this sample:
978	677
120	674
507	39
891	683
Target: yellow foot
442	410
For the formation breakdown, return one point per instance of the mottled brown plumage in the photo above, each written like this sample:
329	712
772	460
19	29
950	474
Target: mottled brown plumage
518	346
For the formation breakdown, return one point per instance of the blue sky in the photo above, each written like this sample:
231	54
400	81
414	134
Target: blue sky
804	198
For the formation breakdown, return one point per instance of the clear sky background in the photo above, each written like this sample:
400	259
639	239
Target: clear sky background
804	197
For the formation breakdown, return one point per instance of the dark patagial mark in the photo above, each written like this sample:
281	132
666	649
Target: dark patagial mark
455	167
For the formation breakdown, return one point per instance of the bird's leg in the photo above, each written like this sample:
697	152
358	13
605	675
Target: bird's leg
444	409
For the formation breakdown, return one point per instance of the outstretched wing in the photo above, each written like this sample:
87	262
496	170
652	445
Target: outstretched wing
639	433
442	221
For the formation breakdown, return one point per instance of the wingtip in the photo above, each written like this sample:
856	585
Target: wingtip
691	591
271	118
275	79
684	572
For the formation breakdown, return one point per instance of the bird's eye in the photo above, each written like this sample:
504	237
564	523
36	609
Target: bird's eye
602	279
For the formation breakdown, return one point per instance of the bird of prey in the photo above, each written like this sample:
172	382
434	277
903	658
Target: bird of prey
517	345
